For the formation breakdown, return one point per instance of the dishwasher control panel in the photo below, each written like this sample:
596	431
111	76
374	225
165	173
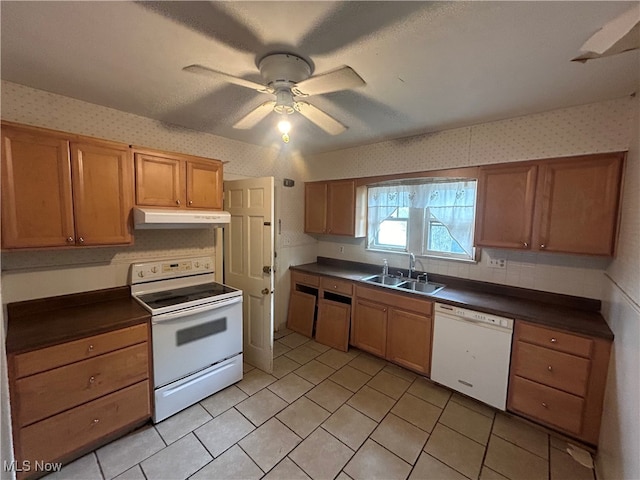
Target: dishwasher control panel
472	315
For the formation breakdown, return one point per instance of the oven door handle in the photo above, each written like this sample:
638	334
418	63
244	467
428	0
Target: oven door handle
170	316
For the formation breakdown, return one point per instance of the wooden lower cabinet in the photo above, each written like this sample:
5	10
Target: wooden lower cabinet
369	328
72	397
302	308
394	326
409	340
558	379
332	325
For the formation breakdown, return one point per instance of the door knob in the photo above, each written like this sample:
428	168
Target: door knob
265	291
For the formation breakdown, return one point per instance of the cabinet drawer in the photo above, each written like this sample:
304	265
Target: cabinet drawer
48	393
66	432
335	285
563	342
304	278
555	369
547	404
63	354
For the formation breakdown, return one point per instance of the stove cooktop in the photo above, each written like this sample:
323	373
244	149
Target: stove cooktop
178	296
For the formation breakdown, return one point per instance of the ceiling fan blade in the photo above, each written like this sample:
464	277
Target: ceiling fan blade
210	19
202	70
254	116
321	119
343	78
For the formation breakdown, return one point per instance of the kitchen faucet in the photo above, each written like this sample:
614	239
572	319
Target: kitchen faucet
385	268
412	264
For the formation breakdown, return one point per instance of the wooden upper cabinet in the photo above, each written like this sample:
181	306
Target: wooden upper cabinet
566	205
335	208
179	181
60	192
159	181
315	207
577	208
341	198
204	185
505	206
102	193
37	206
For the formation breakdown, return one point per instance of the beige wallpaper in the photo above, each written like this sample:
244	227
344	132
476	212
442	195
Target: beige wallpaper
599	127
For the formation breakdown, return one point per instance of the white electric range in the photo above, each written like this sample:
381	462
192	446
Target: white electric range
196	330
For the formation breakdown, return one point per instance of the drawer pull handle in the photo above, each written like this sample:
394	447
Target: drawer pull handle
550	368
96	420
92	379
91	348
554	340
545	405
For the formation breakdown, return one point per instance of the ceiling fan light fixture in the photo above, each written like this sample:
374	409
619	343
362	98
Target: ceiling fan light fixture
284	126
284	102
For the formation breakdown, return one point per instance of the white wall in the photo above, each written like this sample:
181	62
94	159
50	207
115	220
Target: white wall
620	436
594	128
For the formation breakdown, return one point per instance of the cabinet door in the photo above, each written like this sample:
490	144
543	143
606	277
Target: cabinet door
315	207
159	181
369	329
332	326
37	206
505	206
578	208
341	207
102	193
302	307
204	185
409	340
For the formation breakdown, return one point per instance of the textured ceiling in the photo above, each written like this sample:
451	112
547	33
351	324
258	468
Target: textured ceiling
428	66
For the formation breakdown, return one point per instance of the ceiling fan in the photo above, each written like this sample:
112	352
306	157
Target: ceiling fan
288	77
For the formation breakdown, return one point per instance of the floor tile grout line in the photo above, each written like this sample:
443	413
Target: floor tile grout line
95	454
253	461
206	449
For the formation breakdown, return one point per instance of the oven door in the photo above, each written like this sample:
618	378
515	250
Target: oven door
195	338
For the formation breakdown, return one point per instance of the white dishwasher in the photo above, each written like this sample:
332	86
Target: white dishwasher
471	353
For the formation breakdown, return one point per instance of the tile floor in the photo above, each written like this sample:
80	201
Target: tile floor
327	414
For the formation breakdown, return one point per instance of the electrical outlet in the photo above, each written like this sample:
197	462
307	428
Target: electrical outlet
341	249
498	263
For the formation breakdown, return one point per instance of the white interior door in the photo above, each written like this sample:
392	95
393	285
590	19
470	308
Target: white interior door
248	249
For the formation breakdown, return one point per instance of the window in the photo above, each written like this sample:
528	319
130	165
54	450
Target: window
393	230
431	217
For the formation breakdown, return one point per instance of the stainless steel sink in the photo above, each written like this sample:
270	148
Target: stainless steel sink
384	280
401	283
420	287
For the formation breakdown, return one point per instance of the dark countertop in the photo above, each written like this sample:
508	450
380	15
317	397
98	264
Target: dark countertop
44	322
574	314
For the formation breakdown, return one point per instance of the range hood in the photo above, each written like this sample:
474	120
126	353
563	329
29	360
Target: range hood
171	218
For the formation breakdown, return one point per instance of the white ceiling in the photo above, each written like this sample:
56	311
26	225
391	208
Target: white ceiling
428	66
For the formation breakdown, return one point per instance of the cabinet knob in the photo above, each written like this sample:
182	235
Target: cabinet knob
90	348
550	368
177	202
335	286
92	379
96	420
554	340
69	239
384	309
542	245
525	244
81	240
190	202
545	405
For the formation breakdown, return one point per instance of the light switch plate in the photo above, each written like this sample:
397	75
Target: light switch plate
498	262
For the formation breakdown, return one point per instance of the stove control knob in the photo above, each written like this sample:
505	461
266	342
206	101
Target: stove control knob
141	274
197	264
206	266
154	269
